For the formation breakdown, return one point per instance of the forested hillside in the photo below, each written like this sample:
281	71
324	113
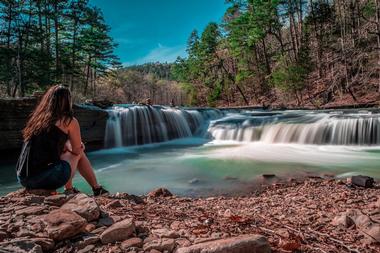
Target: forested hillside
286	52
43	42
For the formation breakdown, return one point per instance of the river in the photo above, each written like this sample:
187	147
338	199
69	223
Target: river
209	152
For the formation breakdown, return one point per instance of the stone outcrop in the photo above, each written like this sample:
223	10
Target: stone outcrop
62	224
84	206
119	231
242	244
15	112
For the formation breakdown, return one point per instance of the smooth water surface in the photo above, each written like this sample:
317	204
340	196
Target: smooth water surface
227	153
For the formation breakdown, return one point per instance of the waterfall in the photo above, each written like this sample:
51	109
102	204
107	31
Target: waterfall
138	125
311	128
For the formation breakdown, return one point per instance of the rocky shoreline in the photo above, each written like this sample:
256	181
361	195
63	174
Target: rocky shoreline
313	215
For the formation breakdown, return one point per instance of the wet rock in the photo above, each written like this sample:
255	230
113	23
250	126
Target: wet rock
20	246
119	231
194	181
132	242
83	205
62	224
160	192
230	178
362	181
32	210
163	244
267	176
242	244
165	233
56	200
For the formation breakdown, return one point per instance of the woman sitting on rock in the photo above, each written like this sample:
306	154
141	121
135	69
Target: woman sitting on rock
53	149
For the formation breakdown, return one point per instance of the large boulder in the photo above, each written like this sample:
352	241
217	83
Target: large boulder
119	231
84	206
241	244
62	224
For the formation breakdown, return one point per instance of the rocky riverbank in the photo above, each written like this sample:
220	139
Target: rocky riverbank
315	215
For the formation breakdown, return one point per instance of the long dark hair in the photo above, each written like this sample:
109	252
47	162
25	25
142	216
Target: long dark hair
55	105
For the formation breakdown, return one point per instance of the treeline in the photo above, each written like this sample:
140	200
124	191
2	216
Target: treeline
43	42
285	51
136	84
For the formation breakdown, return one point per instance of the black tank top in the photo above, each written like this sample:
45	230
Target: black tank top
45	148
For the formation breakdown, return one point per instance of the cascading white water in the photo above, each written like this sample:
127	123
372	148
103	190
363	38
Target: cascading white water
138	125
302	128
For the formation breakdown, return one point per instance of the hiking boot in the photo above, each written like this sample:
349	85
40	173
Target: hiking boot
71	191
99	191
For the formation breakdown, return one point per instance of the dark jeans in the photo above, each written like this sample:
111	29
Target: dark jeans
55	176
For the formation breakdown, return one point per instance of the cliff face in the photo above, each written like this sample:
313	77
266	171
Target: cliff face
14	114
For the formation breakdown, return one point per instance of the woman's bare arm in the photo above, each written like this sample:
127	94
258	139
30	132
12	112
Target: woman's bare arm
75	137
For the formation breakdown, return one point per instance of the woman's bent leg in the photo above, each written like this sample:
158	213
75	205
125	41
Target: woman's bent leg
86	170
73	161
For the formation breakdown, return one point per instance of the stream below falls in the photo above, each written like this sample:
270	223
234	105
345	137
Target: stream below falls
203	152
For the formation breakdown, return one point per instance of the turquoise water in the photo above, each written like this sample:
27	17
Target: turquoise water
201	166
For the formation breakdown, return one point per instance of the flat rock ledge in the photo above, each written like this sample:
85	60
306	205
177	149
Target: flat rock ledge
312	215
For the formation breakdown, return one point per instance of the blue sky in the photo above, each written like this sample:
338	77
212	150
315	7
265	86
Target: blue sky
156	30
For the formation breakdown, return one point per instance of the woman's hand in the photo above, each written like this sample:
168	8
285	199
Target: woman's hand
67	147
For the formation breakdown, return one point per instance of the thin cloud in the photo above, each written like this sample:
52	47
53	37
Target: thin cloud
161	54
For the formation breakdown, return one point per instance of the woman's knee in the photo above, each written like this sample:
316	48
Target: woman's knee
70	158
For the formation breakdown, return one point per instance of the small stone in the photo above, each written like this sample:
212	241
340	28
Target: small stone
99	230
160	244
242	244
107	221
84	206
3	235
56	200
342	220
33	199
165	233
372	232
32	210
160	192
269	175
132	242
87	240
45	243
119	231
88	248
114	204
89	227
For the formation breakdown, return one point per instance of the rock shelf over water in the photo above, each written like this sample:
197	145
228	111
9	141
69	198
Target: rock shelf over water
315	215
